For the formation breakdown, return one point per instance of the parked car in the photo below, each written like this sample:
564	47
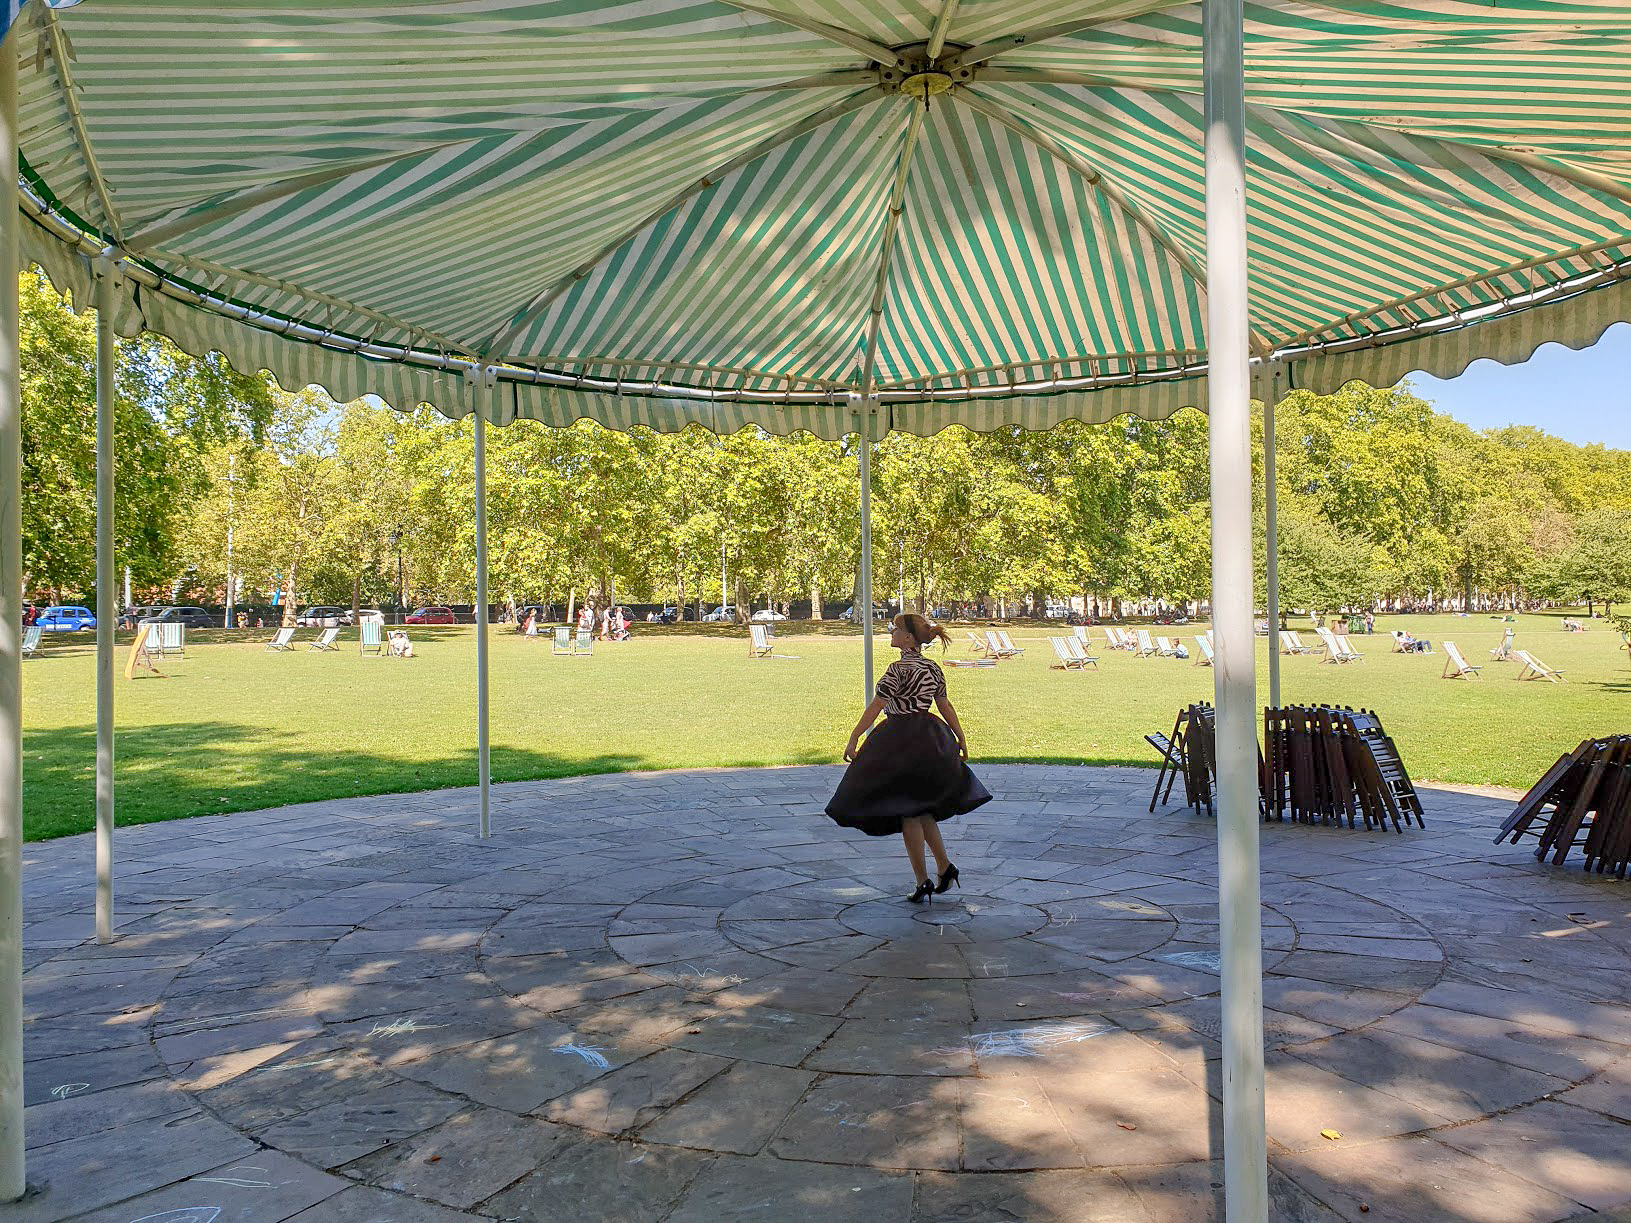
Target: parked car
725	613
671	615
540	611
766	616
878	613
364	615
63	618
137	613
431	615
322	617
192	617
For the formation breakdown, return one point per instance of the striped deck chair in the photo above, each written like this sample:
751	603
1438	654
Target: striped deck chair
561	642
1533	668
1165	648
1064	660
1204	659
1350	654
759	642
31	640
584	643
1455	666
1014	651
371	636
1144	647
1078	650
994	647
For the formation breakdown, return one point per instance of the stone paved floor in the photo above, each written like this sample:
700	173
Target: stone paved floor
687	997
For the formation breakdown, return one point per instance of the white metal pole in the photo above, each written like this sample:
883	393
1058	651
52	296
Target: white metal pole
106	292
865	609
1271	532
1245	1145
127	585
12	1182
481	380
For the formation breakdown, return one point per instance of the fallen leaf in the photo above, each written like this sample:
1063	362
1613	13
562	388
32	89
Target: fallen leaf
1331	1134
433	1159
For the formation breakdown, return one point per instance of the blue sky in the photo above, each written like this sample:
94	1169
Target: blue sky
1580	396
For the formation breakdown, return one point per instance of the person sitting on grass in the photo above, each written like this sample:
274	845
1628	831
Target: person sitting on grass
1571	625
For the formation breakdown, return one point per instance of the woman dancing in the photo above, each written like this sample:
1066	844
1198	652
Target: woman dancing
911	772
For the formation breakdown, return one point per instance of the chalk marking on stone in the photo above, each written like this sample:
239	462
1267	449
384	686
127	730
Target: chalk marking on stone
184	1214
1026	1042
589	1053
1206	961
401	1027
65	1090
238	1182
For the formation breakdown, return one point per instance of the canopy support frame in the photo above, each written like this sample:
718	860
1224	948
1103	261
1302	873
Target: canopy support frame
107	295
481	384
13	1167
1245	1141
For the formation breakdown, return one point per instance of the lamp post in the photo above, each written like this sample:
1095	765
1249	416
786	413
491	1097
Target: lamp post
396	542
232	471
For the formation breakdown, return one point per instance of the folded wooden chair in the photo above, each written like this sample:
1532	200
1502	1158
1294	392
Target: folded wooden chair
1533	668
1455	666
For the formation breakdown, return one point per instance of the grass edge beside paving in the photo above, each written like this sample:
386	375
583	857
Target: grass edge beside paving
285	733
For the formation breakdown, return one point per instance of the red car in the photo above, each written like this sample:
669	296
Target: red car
431	615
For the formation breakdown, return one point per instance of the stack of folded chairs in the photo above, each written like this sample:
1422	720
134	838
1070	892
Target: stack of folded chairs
1192	752
1326	764
1585	800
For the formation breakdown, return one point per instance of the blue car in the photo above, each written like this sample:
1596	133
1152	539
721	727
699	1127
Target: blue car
66	619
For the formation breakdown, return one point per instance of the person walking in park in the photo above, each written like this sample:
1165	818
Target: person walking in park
912	771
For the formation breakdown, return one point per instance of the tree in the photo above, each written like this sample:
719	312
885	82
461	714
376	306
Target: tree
169	408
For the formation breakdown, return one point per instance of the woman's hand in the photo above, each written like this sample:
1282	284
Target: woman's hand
850	750
962	748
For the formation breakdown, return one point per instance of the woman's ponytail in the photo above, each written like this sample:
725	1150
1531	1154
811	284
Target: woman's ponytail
923	631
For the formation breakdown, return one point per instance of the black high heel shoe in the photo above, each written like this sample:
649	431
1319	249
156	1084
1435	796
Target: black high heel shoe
948	877
924	891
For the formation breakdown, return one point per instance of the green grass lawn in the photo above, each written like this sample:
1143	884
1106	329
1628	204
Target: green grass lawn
232	727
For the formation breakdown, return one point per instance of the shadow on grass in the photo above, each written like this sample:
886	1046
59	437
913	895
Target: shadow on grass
176	770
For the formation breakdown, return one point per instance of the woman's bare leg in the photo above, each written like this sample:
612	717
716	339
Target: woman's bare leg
911	831
931	835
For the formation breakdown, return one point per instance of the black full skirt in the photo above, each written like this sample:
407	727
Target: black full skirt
909	766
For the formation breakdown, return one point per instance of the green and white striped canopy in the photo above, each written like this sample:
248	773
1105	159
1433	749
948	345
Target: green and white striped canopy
662	211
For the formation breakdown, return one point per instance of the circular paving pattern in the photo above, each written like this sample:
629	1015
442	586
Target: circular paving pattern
683	985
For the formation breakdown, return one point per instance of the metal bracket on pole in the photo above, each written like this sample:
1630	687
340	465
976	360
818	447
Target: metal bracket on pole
109	284
482	383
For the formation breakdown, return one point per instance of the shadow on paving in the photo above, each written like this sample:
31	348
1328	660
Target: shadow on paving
608	1013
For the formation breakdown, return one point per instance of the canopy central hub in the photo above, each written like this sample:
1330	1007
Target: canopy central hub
916	75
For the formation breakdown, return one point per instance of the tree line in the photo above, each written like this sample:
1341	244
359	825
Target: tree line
1382	501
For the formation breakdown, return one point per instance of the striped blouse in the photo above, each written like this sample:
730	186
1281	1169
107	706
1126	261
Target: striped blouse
911	685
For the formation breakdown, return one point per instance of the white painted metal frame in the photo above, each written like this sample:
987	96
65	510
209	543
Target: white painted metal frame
482	381
1245	1142
12	1170
107	288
